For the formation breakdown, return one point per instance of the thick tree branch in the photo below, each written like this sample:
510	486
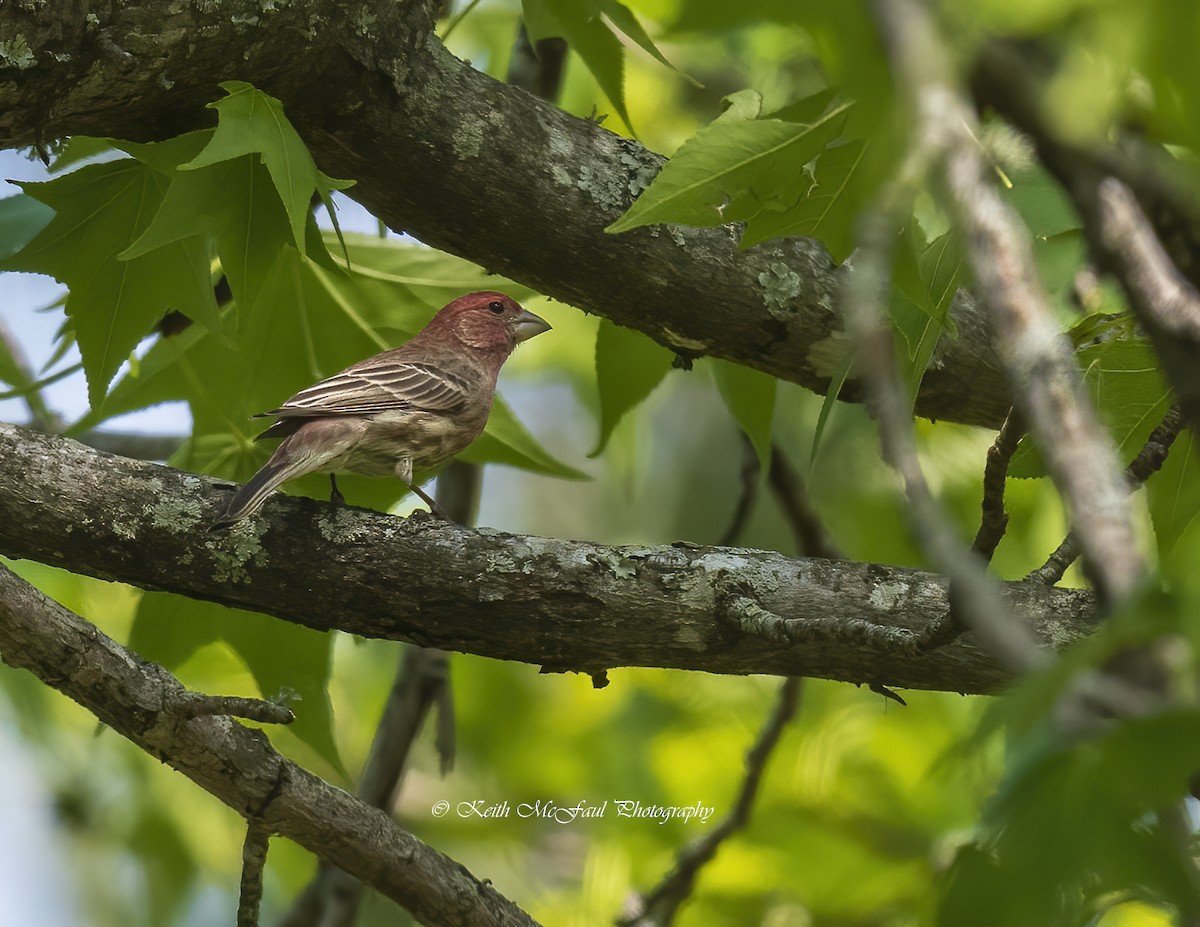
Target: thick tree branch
467	164
237	765
563	604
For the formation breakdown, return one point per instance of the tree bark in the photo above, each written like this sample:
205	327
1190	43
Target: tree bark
139	700
567	605
466	163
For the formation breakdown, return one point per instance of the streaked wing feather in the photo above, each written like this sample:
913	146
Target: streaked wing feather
383	388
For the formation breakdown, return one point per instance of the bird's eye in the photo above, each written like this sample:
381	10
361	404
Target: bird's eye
496	307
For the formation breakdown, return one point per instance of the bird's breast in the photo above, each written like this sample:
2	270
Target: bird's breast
427	438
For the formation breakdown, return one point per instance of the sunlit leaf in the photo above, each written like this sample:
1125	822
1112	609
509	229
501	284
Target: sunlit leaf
252	122
169	628
99	210
731	170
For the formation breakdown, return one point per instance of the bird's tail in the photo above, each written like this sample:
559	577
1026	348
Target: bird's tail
249	499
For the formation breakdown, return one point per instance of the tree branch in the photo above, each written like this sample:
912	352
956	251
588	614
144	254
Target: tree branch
236	764
568	605
472	166
1045	379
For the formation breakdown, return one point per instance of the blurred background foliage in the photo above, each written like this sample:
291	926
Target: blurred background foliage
866	804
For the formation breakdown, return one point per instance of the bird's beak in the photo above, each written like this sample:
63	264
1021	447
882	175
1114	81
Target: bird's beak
526	325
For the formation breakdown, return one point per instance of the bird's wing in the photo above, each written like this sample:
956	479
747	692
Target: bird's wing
384	387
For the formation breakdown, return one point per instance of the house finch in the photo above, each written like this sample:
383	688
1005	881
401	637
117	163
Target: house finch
407	409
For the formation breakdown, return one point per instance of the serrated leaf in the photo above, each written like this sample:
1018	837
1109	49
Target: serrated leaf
252	122
1174	493
100	209
170	628
21	218
750	398
1130	395
580	24
828	212
628	367
506	441
1041	202
730	170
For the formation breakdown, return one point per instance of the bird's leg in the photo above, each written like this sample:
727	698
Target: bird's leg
431	502
404	470
335	494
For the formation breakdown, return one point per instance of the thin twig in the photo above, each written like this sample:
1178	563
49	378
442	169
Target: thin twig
658	907
254	858
994	519
747	495
812	540
1148	462
197	705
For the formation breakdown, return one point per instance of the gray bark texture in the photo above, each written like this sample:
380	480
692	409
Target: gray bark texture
465	163
566	605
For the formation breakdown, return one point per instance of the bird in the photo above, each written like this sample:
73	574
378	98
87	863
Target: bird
403	410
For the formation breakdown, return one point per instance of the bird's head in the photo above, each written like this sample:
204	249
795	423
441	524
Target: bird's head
487	321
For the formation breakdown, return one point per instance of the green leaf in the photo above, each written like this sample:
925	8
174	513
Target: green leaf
927	277
169	628
234	204
580	24
750	397
506	441
1098	793
1041	202
828	211
1174	493
731	170
21	218
99	210
623	19
1130	394
836	382
252	122
628	367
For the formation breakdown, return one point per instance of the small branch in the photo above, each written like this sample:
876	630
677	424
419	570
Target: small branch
197	705
1148	462
131	444
658	907
237	765
751	618
812	540
994	520
746	496
254	858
